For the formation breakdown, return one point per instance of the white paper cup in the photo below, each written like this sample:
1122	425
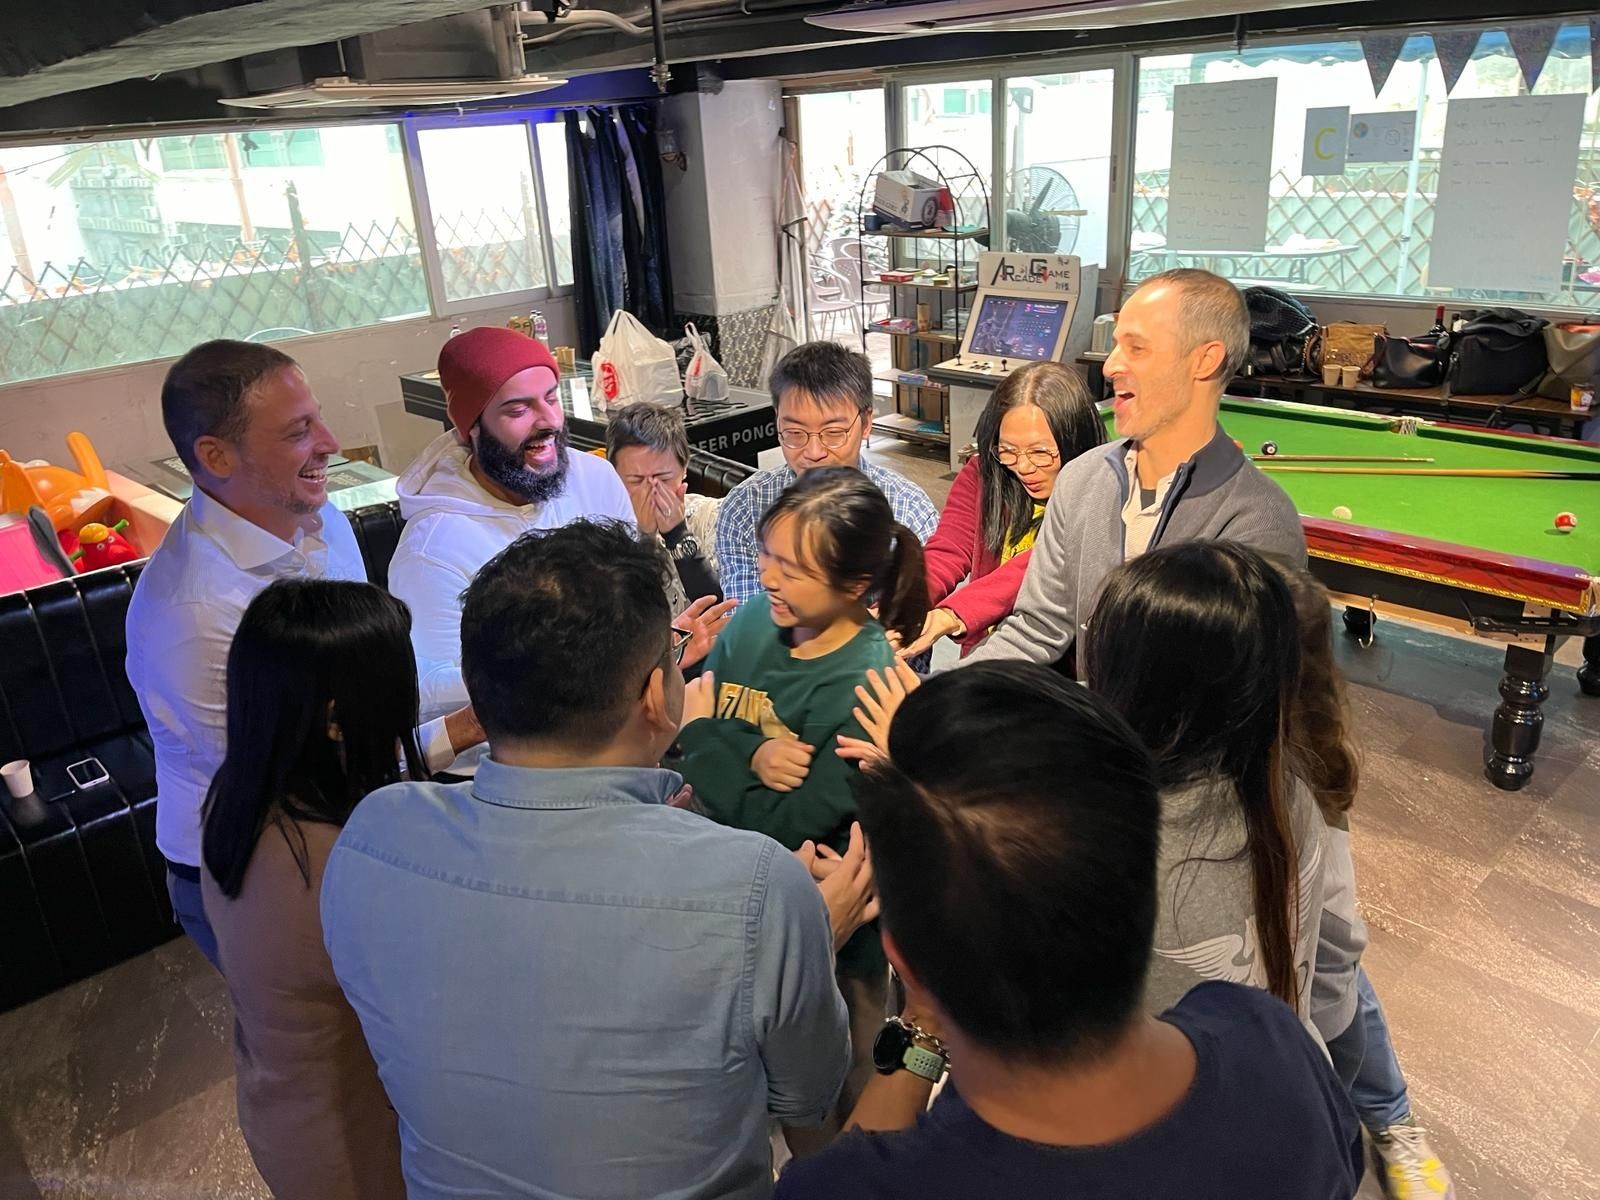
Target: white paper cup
19	778
1330	376
1350	376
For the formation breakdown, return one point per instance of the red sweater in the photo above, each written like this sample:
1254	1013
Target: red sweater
956	552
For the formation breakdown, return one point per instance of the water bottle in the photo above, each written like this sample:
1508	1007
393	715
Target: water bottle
541	328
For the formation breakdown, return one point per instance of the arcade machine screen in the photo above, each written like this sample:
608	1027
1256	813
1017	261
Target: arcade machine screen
1014	327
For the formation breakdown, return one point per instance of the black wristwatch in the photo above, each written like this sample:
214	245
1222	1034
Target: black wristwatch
901	1046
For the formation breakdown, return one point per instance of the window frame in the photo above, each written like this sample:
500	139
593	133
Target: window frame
427	239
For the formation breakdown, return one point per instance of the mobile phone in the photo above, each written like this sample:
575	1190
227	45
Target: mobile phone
87	774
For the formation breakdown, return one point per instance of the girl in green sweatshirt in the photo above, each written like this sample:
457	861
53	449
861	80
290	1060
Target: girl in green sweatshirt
786	670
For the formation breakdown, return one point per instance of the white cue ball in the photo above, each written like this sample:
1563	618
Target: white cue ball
1342	513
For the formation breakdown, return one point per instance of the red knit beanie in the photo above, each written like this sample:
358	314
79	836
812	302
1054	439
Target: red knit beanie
473	366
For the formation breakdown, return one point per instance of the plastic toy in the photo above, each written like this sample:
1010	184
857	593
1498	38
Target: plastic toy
69	497
102	546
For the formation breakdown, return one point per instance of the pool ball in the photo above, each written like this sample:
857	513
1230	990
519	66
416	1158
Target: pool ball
1342	513
1269	448
1566	522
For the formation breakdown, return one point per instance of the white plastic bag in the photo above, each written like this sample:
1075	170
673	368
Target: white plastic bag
631	364
704	378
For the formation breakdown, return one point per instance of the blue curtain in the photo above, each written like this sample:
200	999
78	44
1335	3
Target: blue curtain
619	235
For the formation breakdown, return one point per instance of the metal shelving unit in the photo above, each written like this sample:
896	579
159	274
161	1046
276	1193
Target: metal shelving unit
921	410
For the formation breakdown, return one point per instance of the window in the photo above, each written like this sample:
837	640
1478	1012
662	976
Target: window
1369	230
552	137
841	139
191	153
1058	163
927	123
115	252
481	188
282	148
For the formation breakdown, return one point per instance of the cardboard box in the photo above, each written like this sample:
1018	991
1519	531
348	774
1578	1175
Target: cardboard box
906	198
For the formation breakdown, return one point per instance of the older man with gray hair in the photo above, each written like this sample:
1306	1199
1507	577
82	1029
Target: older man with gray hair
1173	475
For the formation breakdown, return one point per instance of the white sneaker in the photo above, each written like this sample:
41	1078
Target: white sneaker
1407	1166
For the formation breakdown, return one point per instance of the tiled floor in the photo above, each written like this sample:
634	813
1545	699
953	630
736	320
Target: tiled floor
1485	914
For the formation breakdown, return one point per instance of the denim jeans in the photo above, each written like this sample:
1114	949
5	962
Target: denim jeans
1379	1087
190	910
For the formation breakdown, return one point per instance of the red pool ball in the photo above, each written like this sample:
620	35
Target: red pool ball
1566	522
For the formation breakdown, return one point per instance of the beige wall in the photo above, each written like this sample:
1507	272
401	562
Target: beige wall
354	374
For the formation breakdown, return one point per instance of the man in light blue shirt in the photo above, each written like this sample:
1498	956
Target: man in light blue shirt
570	985
822	394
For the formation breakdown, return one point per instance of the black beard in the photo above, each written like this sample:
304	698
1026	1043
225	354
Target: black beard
505	466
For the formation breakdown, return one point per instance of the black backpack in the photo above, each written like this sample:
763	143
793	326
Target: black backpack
1499	352
1283	333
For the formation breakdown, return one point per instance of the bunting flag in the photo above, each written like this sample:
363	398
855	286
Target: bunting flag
1382	51
1531	44
1454	49
1594	53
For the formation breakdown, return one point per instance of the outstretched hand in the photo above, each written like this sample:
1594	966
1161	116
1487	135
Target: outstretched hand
880	700
845	882
939	623
705	619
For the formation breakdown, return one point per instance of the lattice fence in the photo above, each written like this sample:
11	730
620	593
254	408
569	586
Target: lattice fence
489	251
78	316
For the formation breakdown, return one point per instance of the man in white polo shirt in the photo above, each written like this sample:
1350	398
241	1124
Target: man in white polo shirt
247	425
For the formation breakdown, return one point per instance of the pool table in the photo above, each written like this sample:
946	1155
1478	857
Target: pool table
1474	554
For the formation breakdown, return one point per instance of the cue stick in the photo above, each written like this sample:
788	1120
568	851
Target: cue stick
1338	458
1436	472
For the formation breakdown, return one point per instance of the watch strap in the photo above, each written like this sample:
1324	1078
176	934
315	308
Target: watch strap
929	1064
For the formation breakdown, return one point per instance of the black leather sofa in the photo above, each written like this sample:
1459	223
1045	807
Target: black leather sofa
82	885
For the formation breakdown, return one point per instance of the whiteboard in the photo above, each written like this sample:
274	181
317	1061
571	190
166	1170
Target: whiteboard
1221	164
1505	193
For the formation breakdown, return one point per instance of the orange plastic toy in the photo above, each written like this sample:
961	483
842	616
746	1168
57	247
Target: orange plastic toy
69	497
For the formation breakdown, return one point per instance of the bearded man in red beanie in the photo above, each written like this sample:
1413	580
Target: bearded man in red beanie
502	470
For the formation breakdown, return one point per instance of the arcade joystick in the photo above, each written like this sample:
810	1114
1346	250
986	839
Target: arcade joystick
1003	366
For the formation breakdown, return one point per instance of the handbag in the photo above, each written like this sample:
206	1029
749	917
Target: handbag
1348	343
1283	333
1399	362
1573	354
1499	352
631	364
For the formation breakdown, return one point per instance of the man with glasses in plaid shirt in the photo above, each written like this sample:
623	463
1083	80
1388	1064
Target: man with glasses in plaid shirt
822	394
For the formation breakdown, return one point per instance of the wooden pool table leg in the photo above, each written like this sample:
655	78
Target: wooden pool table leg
1519	720
1589	673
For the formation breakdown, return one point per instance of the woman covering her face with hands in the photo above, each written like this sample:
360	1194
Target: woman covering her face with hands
649	449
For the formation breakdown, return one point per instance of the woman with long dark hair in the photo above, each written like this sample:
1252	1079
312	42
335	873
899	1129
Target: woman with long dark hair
1037	421
1197	646
322	709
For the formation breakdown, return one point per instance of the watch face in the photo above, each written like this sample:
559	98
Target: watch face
889	1048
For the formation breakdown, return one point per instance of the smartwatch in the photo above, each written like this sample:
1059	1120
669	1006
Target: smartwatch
896	1048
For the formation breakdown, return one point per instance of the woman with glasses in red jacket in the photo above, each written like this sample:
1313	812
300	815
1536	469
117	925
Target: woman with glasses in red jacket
1039	419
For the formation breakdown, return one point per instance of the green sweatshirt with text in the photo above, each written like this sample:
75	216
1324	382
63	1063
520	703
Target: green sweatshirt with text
763	692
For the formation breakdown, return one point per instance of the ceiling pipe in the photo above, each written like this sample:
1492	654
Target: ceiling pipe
659	70
579	20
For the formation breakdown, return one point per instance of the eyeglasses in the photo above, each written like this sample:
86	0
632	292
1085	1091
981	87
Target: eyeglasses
832	439
1039	459
680	642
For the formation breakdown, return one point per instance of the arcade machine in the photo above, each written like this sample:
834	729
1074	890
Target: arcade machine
1027	309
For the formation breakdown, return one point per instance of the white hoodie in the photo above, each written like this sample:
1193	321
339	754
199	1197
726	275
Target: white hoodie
453	526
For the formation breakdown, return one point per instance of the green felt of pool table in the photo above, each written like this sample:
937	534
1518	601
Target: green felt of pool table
1506	516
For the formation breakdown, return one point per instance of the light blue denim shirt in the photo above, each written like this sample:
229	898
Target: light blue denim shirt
574	990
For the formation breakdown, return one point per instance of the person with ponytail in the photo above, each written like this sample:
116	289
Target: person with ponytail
1197	646
783	675
1344	1004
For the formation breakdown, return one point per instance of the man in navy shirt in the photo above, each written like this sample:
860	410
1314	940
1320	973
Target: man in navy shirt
1018	895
